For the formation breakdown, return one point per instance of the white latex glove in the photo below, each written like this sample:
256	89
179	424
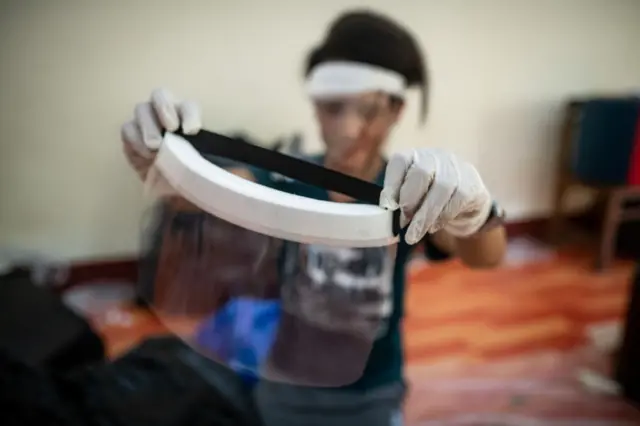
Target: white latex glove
435	190
142	136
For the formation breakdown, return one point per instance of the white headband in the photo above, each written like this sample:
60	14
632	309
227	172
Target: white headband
348	78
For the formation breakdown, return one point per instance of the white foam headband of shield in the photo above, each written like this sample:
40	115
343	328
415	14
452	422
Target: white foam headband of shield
266	210
336	78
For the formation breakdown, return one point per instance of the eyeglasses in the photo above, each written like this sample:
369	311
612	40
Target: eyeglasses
368	110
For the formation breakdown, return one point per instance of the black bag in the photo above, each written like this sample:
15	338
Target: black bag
36	327
162	382
627	368
31	396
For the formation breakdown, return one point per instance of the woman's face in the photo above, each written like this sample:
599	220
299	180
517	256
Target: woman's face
354	128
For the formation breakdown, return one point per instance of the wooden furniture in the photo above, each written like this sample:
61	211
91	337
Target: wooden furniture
617	211
617	203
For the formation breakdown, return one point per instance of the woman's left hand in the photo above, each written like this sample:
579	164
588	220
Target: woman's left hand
435	191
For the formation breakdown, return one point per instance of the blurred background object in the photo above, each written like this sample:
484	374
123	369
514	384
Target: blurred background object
44	269
600	150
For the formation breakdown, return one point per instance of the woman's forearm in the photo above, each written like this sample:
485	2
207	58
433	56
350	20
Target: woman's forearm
481	250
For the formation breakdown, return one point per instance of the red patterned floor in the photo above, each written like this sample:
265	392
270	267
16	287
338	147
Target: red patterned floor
494	348
504	347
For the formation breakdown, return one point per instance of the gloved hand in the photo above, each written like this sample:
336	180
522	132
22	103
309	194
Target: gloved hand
435	190
142	136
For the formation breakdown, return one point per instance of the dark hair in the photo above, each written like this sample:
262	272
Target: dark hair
372	38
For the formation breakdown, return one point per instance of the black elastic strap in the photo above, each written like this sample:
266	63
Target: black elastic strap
213	144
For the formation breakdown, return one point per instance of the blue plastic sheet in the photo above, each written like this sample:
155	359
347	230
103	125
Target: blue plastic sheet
241	334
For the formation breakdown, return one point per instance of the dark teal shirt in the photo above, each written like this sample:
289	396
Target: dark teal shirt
385	364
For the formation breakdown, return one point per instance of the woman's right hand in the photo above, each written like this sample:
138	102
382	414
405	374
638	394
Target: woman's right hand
142	136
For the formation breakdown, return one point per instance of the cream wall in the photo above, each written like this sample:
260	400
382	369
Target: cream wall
71	72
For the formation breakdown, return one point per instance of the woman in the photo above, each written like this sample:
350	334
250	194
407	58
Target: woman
357	79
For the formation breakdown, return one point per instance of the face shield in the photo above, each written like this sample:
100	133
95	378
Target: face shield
269	282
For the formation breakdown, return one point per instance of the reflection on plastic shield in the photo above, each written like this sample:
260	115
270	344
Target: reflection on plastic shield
266	307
